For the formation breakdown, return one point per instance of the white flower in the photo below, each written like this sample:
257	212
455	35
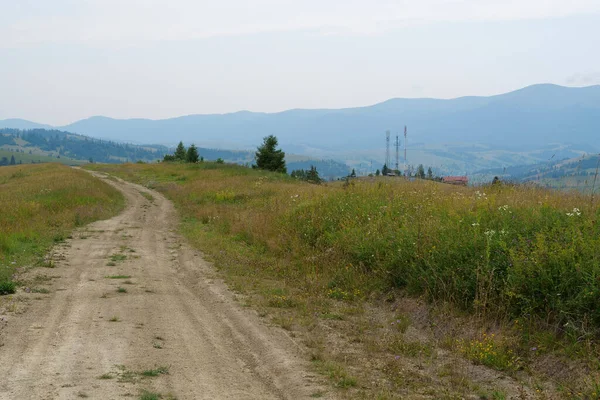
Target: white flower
480	195
475	224
489	233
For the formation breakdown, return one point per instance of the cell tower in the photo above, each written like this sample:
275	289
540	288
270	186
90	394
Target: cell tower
397	154
387	149
405	165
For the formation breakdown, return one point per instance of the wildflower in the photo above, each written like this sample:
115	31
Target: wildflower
475	224
489	233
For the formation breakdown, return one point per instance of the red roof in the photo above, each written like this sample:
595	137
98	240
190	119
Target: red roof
455	179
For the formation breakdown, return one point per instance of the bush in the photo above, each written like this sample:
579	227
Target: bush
7	287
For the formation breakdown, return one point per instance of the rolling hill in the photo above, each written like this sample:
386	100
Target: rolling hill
568	173
42	145
511	128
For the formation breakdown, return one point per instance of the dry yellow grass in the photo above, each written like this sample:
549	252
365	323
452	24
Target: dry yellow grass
41	204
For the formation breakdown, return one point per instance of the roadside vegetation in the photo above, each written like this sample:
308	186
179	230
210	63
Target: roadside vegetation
40	205
396	286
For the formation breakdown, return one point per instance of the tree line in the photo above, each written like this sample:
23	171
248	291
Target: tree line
59	143
181	154
418	173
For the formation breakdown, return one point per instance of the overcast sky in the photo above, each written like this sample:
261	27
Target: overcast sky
63	60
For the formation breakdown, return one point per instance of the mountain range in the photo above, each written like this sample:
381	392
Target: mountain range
517	124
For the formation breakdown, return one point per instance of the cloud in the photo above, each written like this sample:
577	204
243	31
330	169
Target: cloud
131	21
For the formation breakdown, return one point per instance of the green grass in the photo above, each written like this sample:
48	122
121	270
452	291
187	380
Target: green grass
337	373
118	257
41	205
155	372
121	290
150	396
511	251
7	287
148	196
26	158
147	395
118	276
498	253
490	352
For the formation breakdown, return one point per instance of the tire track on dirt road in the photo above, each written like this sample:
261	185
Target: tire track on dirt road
93	335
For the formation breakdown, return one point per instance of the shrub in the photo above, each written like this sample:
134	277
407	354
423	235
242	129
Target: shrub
7	287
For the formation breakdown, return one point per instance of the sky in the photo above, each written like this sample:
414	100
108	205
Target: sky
64	60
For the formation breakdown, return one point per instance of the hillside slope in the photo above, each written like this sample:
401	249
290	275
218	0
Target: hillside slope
539	113
459	135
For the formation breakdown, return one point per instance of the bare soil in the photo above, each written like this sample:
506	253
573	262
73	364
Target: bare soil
87	338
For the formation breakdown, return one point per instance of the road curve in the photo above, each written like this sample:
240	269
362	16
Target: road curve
88	339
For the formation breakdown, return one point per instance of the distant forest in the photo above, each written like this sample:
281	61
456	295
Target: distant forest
56	143
59	143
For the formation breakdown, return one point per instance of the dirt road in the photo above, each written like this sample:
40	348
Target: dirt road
131	308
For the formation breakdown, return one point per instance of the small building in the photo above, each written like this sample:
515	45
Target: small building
456	180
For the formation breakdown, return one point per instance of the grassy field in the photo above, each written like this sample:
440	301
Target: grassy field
518	267
26	158
41	204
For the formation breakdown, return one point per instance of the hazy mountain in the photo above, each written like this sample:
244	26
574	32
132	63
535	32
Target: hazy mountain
17	123
533	115
526	120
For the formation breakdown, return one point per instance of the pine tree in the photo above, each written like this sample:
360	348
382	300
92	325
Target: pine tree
377	173
180	153
429	173
312	175
12	160
192	154
267	157
385	170
420	172
353	173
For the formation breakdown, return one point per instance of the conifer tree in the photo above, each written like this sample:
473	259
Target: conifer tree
192	155
267	157
312	175
385	170
180	153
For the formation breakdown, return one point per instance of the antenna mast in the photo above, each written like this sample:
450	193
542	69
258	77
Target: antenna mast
405	166
387	149
397	154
